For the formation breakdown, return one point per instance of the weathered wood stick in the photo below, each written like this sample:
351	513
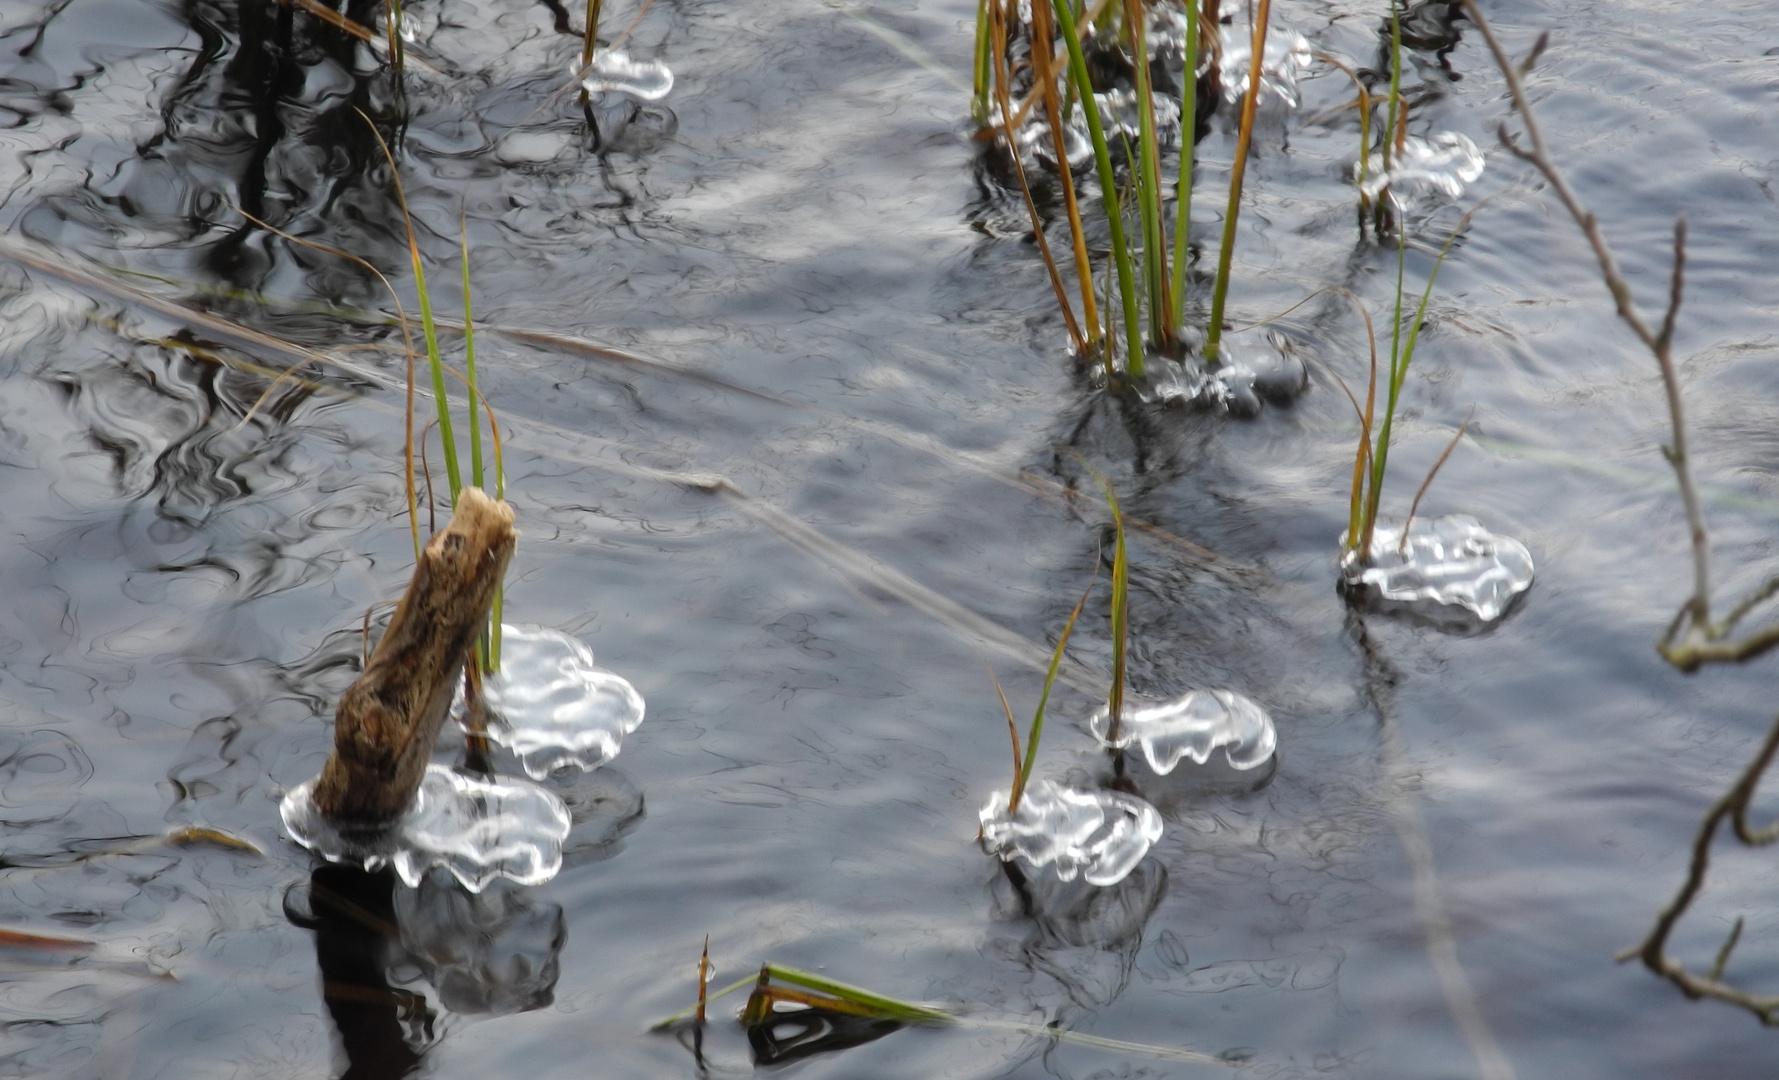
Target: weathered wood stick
387	721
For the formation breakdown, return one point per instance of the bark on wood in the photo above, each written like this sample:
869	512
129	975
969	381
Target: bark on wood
386	722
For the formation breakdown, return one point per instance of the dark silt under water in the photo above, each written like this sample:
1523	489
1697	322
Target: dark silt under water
805	216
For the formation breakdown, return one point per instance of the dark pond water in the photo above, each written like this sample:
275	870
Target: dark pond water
803	216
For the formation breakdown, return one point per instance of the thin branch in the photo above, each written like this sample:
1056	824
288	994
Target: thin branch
1653	949
1658	344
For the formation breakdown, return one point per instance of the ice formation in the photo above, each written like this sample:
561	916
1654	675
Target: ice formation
1446	163
612	71
1239	386
477	828
1451	560
1099	835
552	707
1193	725
1287	53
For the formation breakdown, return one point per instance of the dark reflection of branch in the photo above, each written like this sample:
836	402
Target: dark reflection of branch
265	119
353	915
493	953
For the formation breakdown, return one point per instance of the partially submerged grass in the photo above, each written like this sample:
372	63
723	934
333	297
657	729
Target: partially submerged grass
777	985
1373	455
1027	759
488	650
1082	83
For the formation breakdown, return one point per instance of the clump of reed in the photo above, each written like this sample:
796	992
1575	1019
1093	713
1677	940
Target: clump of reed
1147	262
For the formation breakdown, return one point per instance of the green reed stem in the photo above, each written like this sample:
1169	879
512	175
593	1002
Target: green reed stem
469	364
1395	112
434	361
1245	138
1037	729
1399	362
1102	157
979	102
1148	166
436	364
1183	186
393	29
1119	613
888	1007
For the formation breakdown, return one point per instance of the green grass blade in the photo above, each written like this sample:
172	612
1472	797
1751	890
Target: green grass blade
887	1006
1398	372
979	102
1037	730
469	364
1120	622
1102	157
1244	139
436	364
1012	734
1183	185
434	361
1148	167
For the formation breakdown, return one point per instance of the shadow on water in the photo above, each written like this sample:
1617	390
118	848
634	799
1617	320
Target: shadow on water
492	953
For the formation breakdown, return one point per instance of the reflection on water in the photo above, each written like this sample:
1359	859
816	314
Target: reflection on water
494	953
270	117
801	1033
382	1029
1079	914
184	597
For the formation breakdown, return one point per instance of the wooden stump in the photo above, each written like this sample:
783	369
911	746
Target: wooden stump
387	721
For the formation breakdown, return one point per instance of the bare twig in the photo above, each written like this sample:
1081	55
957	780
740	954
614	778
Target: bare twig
1658	343
1653	949
1691	638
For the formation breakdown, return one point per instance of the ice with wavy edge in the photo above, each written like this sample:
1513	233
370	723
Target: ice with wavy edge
1098	835
1450	560
1447	162
1287	53
612	71
478	828
552	707
1193	725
